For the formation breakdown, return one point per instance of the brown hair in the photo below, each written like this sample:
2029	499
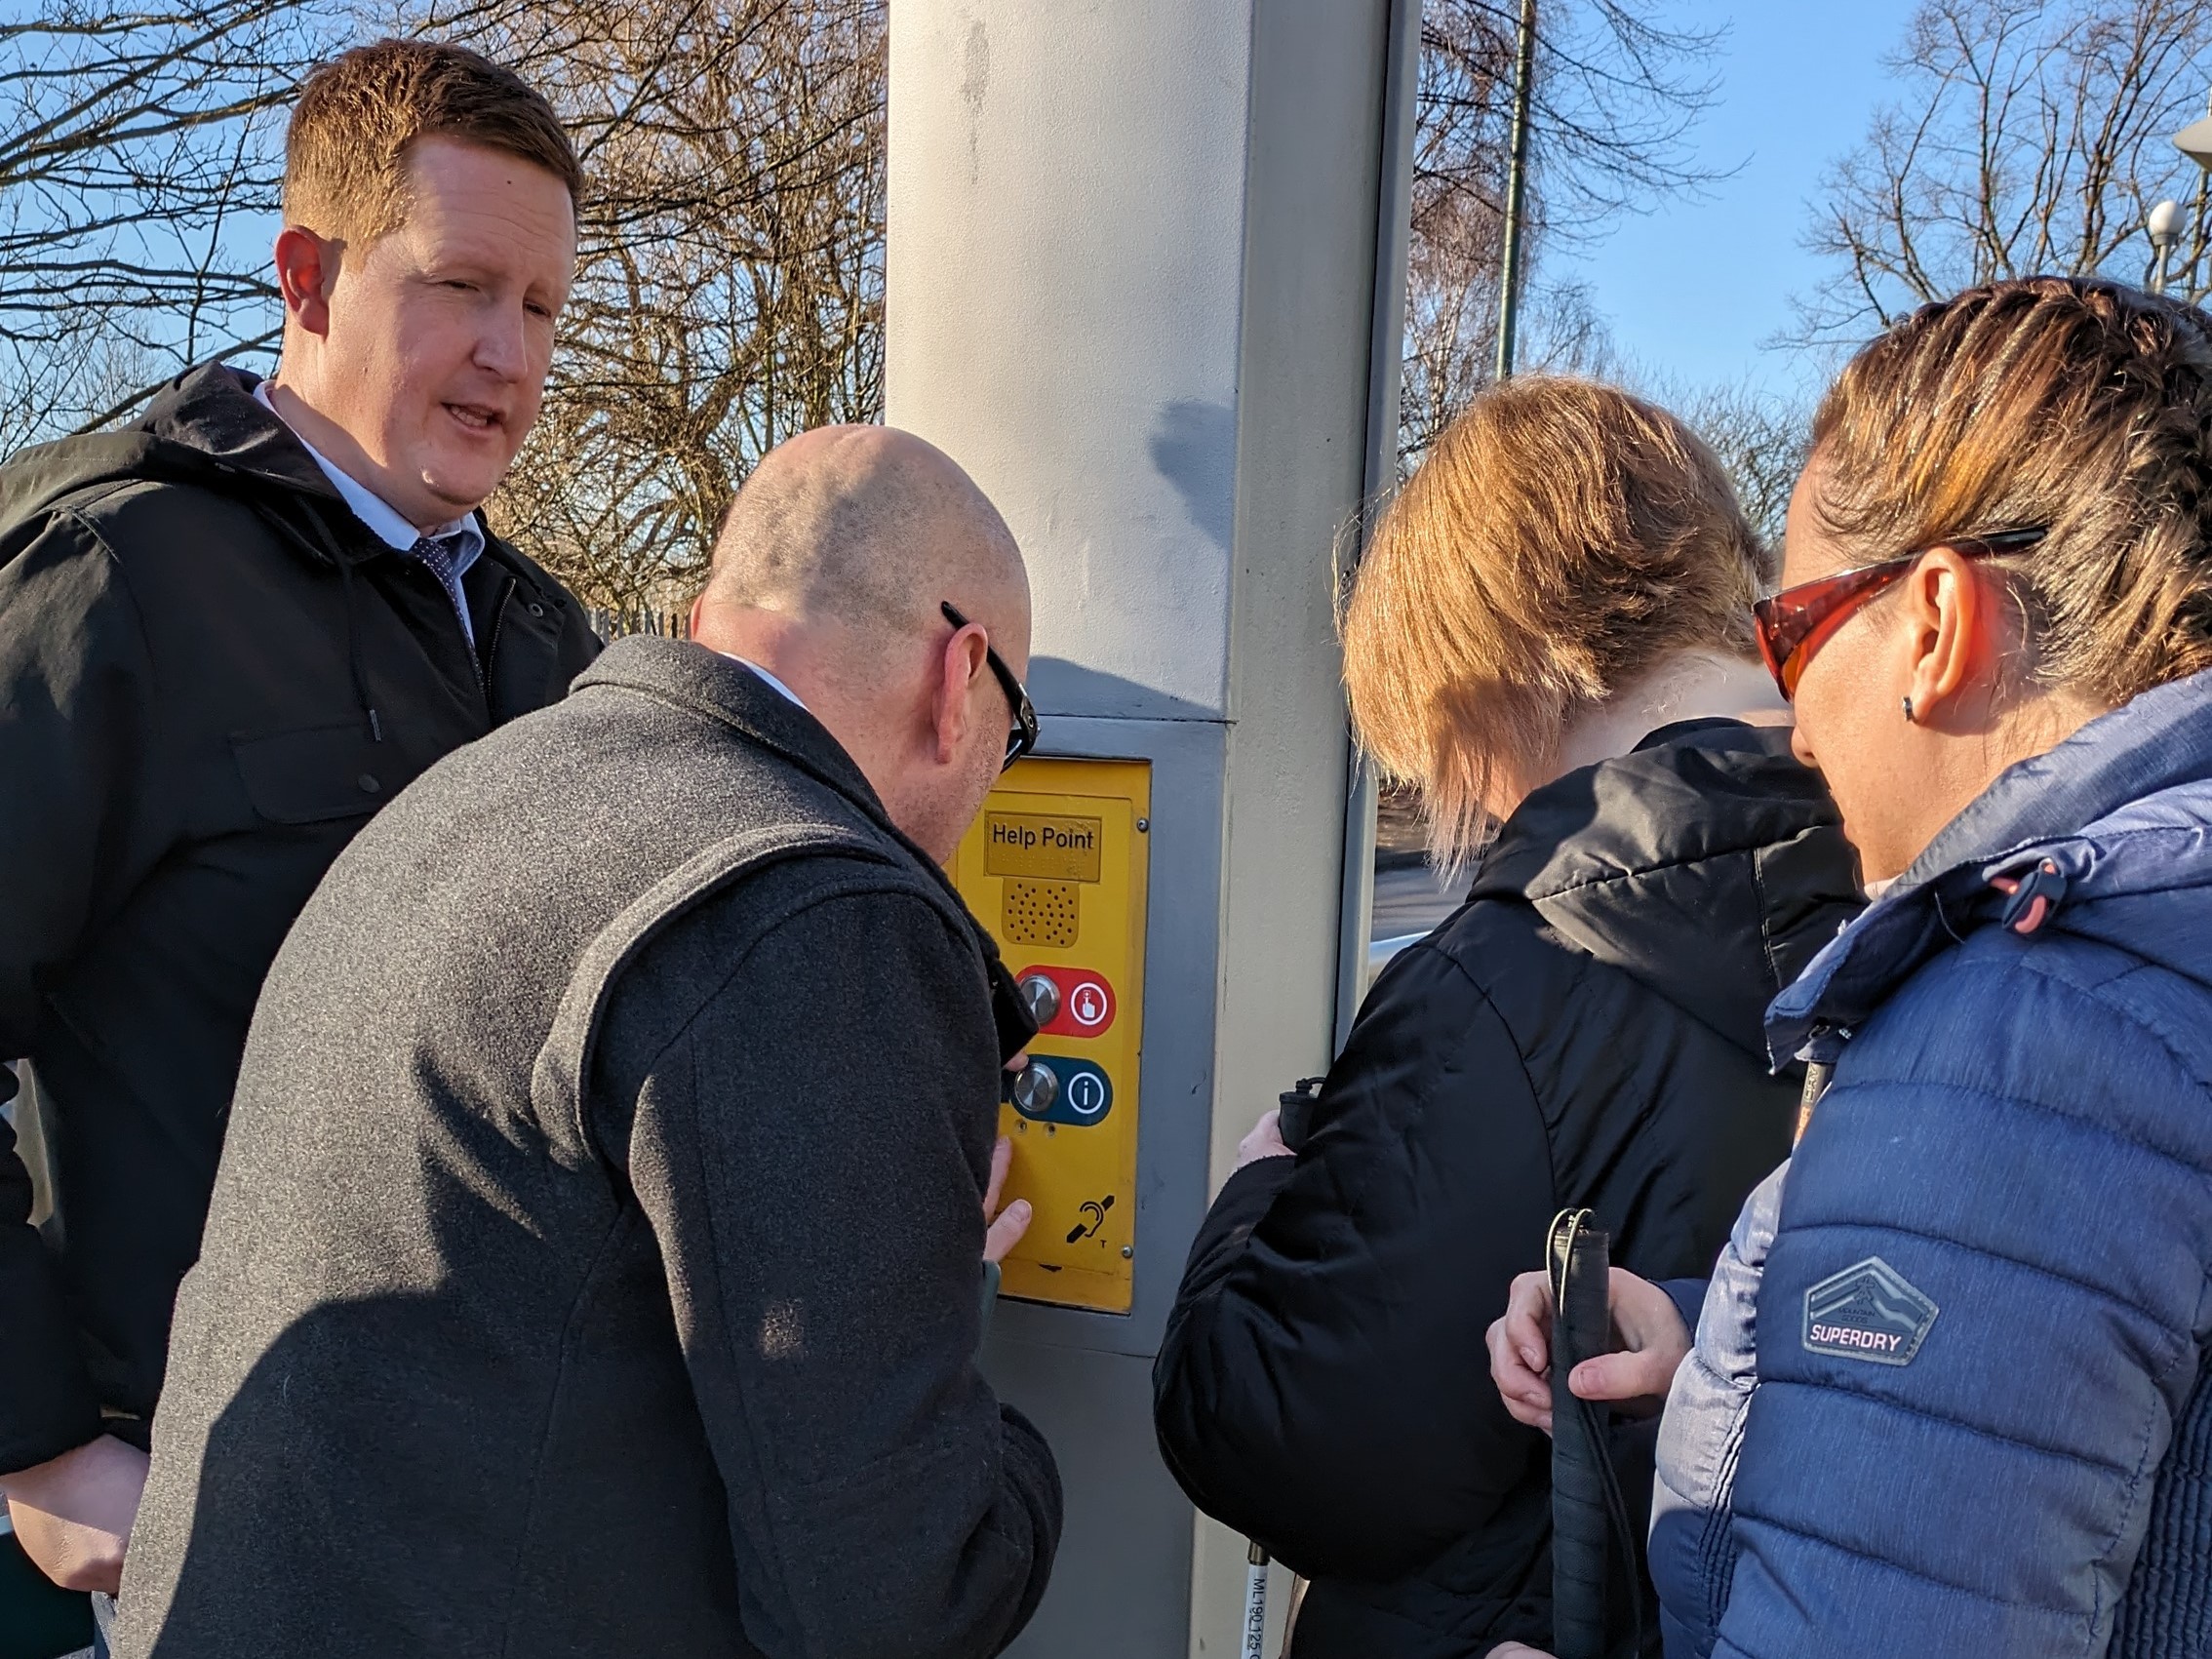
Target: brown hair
345	152
2065	402
1561	539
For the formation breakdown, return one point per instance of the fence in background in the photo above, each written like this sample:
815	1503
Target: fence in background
614	624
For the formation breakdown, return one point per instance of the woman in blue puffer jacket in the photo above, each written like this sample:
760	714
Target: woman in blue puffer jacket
1948	1396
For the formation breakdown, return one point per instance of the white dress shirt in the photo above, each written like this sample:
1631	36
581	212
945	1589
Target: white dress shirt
385	522
773	683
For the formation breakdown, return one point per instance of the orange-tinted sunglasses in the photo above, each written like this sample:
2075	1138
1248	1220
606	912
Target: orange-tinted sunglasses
1797	621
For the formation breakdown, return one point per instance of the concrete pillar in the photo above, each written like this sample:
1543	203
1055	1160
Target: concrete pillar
1132	289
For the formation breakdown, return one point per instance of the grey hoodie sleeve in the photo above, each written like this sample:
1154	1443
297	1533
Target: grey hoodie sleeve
812	1153
78	716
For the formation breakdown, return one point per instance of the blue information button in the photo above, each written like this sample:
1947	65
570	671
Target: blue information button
1080	1092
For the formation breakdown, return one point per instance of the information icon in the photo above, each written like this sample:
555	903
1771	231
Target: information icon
1087	1094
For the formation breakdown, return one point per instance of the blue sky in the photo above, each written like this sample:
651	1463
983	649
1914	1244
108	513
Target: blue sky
1694	291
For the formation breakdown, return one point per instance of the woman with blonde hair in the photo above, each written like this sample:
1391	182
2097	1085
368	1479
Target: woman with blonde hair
1551	635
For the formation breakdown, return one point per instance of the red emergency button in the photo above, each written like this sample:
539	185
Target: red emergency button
1086	1002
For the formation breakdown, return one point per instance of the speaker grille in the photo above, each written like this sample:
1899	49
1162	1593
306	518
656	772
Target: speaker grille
1040	912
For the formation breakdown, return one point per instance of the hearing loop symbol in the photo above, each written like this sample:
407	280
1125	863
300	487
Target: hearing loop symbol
1093	1218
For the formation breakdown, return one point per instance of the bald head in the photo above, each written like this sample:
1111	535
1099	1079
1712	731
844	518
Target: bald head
831	574
872	528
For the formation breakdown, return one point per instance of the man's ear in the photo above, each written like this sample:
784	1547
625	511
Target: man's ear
1953	632
964	658
307	268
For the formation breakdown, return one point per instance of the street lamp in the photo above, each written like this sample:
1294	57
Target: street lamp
2194	141
2166	235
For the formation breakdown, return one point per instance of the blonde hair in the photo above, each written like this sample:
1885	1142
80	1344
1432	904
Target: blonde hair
346	150
2081	406
1561	539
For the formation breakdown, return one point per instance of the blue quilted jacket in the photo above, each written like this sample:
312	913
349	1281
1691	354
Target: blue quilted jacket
1976	1425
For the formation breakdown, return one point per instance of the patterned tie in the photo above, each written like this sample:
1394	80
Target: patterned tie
437	555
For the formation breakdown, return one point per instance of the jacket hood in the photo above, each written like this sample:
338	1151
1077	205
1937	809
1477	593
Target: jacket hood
2107	837
205	427
1639	861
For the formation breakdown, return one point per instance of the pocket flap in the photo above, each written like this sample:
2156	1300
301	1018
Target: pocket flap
315	773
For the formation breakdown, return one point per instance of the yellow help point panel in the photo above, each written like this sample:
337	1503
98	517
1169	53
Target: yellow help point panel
1055	867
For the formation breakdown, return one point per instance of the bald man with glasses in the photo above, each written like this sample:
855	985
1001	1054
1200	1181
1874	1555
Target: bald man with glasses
619	1291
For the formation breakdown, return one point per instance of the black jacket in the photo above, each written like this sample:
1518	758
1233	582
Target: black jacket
1584	1031
211	674
620	1296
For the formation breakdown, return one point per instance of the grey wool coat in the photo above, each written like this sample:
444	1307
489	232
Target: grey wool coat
594	1258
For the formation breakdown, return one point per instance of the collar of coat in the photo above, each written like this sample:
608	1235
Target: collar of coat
2123	807
726	693
212	414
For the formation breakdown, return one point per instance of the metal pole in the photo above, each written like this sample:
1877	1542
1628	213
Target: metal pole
2196	223
1256	1605
1516	178
1129	272
2197	226
1386	374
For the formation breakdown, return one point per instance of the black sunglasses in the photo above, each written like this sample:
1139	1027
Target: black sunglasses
1022	736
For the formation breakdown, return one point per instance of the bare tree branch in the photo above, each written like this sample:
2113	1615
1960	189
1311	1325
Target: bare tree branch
2028	137
730	279
1615	94
136	144
729	286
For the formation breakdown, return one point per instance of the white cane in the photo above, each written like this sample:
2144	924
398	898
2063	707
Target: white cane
1255	1602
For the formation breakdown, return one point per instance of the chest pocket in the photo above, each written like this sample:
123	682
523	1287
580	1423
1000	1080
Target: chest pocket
316	774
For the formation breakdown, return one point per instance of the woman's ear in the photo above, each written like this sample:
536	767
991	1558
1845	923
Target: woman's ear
1950	626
